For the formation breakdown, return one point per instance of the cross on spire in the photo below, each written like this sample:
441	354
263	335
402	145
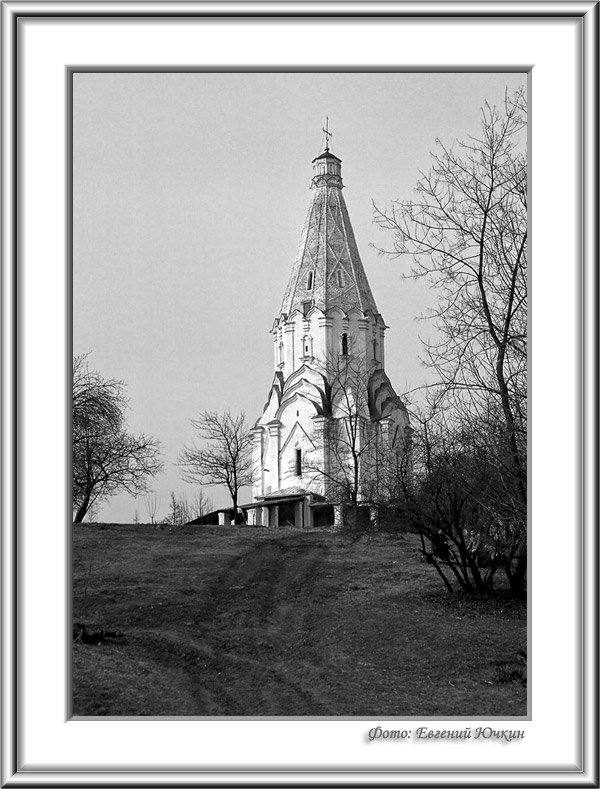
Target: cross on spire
328	134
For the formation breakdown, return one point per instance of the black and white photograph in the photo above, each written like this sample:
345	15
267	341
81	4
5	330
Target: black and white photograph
300	394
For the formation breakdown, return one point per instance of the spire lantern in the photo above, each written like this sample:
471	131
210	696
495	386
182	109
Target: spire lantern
327	170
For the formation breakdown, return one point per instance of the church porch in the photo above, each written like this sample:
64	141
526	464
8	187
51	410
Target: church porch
292	508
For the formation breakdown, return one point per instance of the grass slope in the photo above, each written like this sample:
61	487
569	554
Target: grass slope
230	621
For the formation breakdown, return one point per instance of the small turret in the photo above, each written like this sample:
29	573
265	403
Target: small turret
327	170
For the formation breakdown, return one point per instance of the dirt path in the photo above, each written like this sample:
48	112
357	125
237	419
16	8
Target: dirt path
250	622
249	651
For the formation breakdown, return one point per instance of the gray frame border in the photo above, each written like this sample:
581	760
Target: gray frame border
586	774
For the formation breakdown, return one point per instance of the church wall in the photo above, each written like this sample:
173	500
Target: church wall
298	433
270	459
317	337
319	324
380	337
276	445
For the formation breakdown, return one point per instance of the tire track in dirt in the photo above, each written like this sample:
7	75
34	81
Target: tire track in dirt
251	652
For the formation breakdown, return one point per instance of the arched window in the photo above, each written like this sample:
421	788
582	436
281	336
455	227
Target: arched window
280	353
309	284
298	462
344	344
375	350
306	345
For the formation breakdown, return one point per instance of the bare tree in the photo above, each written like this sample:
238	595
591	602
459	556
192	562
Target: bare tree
178	510
106	458
91	516
346	456
200	505
152	505
226	458
447	491
183	510
339	455
467	233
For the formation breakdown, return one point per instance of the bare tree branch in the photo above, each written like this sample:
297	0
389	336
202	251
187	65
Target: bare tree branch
106	458
226	459
467	235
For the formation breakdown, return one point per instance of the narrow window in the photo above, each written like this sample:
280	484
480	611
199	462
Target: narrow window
298	462
375	350
280	353
340	278
309	284
344	344
306	345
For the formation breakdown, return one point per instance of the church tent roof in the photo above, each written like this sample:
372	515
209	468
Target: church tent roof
328	270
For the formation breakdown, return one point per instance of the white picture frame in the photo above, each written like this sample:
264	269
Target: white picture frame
42	44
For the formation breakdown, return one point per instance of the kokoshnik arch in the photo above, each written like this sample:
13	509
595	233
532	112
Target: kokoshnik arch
328	323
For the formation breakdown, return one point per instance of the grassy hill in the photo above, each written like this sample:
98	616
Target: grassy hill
207	620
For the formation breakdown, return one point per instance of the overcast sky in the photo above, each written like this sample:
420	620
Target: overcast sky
190	192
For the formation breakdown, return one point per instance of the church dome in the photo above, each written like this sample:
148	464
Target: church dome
327	155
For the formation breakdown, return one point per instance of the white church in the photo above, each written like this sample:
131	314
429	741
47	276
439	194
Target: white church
331	407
